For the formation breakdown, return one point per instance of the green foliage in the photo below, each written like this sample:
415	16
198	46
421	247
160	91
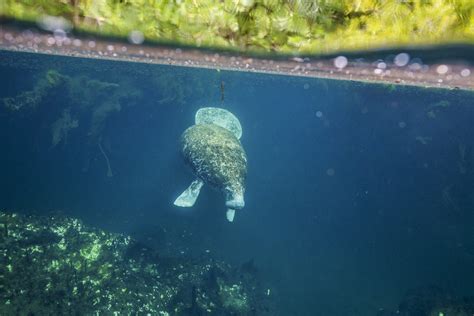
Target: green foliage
277	25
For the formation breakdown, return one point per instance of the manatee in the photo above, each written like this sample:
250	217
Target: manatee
212	149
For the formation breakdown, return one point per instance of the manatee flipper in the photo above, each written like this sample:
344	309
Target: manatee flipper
190	195
230	214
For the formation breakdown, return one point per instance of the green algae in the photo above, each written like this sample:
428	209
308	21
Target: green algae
58	265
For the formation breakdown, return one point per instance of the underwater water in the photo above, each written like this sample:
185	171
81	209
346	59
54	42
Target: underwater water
359	197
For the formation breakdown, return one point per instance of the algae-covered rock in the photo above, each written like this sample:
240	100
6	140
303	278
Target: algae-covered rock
59	266
234	298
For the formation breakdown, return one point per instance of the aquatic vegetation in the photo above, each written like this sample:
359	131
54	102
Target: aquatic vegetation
80	94
109	169
61	127
59	265
267	25
432	301
234	298
63	101
32	98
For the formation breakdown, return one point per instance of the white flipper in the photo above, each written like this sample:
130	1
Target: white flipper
190	195
230	214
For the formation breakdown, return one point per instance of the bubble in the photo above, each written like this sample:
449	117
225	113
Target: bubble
442	69
298	59
91	44
415	64
465	72
330	172
59	34
28	34
340	62
136	37
381	65
401	59
378	71
402	124
77	42
53	23
110	48
319	114
306	86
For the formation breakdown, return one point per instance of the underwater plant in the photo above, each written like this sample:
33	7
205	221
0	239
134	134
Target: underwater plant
64	101
58	265
32	98
61	127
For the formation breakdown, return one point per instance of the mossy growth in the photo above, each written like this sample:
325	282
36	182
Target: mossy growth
434	301
29	100
70	100
289	26
59	266
234	298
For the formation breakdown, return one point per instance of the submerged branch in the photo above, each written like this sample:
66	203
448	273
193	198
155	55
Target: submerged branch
109	170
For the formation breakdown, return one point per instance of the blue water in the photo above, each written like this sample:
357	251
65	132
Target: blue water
356	193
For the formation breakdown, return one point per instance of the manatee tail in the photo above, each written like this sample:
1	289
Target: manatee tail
230	214
234	201
190	195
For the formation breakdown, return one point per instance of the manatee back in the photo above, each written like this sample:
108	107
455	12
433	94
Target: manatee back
215	155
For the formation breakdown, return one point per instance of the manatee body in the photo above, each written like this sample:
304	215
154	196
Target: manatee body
216	157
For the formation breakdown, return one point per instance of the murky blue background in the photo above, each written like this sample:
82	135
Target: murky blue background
356	193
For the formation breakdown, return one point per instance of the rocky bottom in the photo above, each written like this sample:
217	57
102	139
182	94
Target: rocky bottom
57	265
432	301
